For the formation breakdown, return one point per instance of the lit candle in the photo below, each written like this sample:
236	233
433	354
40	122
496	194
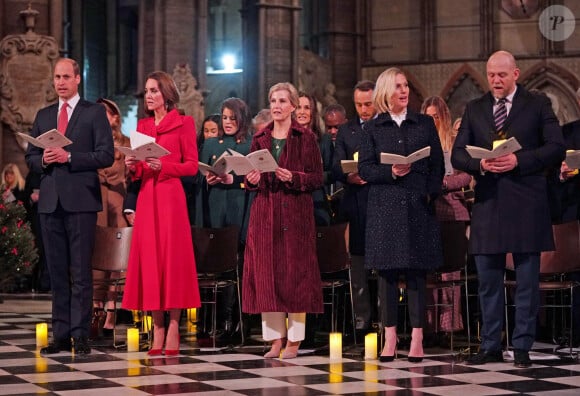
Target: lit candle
335	346
133	340
41	335
192	315
371	346
147	323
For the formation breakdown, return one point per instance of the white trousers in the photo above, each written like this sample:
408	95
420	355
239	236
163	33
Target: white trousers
274	326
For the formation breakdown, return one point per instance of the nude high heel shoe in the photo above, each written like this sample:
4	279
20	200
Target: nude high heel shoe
291	350
416	353
390	349
274	351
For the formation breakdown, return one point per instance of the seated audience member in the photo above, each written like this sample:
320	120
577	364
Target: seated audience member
12	184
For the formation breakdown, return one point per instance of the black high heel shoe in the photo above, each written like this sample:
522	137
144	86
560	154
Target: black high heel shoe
390	358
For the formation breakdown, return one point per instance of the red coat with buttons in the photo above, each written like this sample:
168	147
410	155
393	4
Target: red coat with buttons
280	266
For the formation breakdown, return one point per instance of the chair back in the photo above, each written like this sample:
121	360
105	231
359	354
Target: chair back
454	245
565	257
331	248
112	247
216	249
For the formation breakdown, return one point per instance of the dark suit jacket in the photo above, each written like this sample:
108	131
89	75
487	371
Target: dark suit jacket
511	212
565	196
75	184
354	202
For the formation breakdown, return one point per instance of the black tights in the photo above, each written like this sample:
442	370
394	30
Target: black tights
388	283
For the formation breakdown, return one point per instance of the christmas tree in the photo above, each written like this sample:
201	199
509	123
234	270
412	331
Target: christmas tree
18	253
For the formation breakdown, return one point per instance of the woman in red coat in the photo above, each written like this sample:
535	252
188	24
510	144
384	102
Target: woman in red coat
161	275
281	275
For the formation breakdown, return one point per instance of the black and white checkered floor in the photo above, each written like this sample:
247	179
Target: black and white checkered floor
245	372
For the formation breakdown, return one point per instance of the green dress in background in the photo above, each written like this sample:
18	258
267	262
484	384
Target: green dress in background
222	205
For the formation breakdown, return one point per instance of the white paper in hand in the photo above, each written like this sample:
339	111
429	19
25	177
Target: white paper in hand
573	159
396	159
143	146
49	139
501	148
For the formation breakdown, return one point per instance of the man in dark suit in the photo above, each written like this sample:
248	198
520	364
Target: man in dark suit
353	207
564	189
70	197
511	210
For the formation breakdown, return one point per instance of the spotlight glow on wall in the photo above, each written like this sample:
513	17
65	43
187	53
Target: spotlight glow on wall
229	62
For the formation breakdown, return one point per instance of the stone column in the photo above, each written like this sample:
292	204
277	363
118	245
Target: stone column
169	35
347	22
270	30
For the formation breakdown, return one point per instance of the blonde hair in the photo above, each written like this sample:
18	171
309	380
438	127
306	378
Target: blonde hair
384	89
286	86
18	179
445	130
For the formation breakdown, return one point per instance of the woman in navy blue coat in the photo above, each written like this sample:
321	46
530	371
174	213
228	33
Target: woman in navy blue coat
402	234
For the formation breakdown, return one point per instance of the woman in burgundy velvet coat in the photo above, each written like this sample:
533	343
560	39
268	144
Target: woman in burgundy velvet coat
281	275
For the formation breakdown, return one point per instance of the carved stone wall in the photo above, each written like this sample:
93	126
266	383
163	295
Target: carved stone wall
26	63
460	82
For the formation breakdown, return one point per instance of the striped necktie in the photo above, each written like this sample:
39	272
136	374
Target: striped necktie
500	114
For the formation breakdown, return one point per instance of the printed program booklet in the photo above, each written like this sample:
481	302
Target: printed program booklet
50	139
396	159
241	164
500	147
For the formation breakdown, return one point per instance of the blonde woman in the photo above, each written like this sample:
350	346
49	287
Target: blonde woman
12	184
402	234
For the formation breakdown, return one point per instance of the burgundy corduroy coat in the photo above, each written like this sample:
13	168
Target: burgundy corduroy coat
280	267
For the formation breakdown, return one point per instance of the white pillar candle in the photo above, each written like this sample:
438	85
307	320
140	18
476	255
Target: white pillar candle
371	346
335	346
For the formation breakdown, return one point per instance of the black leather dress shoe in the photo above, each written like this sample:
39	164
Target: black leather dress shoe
484	357
56	347
81	346
522	358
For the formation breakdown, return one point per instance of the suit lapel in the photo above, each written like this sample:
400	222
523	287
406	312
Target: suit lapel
75	116
54	116
519	103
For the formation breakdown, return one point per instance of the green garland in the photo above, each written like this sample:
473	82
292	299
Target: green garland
18	254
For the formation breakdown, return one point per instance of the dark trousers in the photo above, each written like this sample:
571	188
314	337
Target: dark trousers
68	244
360	292
388	285
490	273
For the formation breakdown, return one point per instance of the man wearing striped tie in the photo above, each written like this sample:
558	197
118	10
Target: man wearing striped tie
510	212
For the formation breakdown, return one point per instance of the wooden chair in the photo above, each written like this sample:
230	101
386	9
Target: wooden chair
334	263
216	258
554	266
111	255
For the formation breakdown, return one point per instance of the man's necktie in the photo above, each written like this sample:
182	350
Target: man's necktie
63	118
500	114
